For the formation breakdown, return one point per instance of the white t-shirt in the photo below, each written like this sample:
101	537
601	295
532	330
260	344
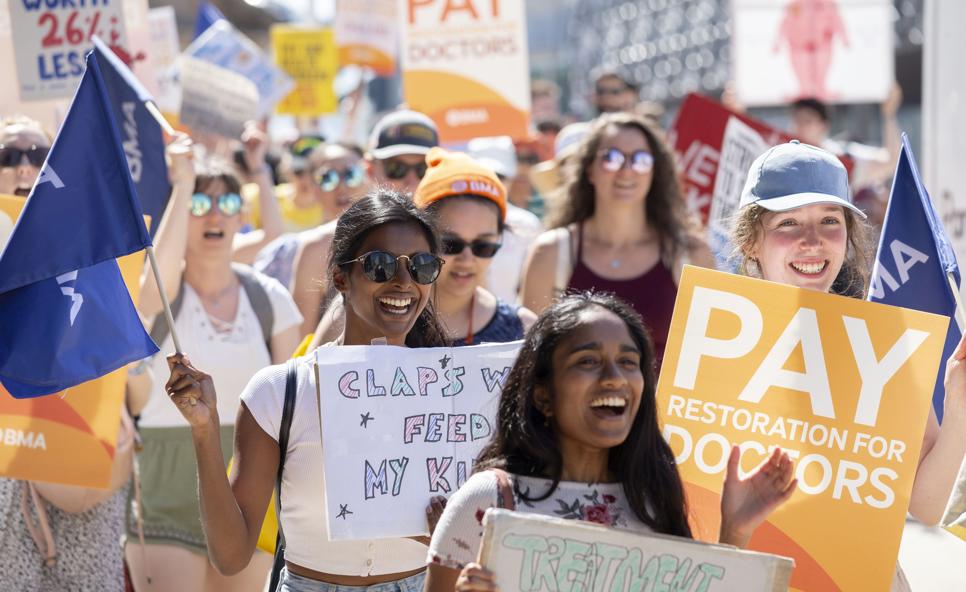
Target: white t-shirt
303	485
459	533
231	358
506	271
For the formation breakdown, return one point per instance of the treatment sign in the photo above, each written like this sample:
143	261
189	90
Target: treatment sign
844	385
50	38
465	64
401	425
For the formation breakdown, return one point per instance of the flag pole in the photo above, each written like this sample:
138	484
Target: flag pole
156	114
164	301
959	303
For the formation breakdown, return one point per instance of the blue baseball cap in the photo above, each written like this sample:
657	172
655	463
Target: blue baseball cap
793	175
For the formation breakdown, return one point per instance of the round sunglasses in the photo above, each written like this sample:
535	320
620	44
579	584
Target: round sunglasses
396	169
613	160
453	245
329	179
229	204
381	266
11	156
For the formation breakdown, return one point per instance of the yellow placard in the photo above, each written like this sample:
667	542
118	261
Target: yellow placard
67	437
466	65
310	57
844	385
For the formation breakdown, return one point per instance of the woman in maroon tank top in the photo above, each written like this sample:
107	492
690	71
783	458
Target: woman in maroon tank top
622	226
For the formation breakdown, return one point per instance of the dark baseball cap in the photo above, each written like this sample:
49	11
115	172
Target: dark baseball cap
403	132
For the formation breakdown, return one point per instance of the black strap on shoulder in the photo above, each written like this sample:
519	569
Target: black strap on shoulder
288	411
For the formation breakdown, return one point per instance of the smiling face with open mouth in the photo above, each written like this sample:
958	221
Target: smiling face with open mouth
626	185
597	383
214	231
803	247
384	309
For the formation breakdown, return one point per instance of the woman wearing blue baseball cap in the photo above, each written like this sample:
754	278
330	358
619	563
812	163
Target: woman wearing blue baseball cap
797	225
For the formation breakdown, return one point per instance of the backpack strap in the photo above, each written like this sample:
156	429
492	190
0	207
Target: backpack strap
288	411
258	298
505	490
159	328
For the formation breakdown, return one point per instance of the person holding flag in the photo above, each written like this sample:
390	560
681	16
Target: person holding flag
66	317
797	225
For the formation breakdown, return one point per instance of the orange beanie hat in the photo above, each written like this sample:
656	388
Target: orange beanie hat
454	173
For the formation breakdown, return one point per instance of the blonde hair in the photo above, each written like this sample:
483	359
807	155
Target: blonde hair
853	278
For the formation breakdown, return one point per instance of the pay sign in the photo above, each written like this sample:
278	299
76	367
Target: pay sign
842	384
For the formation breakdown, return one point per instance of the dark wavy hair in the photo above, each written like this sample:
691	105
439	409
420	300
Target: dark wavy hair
386	206
664	206
524	445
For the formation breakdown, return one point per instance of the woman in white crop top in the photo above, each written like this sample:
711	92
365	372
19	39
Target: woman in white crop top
578	438
384	260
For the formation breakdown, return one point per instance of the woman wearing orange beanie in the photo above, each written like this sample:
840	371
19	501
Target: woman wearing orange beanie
469	203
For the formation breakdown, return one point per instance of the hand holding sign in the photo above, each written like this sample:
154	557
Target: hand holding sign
192	391
746	503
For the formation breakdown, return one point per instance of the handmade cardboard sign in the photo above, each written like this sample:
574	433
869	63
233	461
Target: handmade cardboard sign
367	33
839	51
165	49
465	64
51	38
531	552
68	437
310	57
401	425
214	99
842	384
222	45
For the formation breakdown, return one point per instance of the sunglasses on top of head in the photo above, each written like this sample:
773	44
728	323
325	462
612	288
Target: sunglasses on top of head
453	245
229	204
396	169
381	266
613	160
11	156
329	179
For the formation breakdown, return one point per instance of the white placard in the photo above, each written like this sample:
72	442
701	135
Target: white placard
401	425
165	49
740	146
839	51
214	99
222	45
51	38
367	33
530	552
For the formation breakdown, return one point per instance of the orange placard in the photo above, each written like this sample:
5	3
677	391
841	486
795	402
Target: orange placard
844	385
67	437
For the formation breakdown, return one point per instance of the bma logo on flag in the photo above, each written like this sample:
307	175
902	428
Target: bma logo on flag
77	299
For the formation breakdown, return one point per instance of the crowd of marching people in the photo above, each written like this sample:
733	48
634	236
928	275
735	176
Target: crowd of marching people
572	240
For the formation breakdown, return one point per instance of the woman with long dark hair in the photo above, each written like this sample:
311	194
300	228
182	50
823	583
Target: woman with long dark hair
577	437
622	226
385	258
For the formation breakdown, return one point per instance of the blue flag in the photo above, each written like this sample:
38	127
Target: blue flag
208	14
65	314
141	135
915	257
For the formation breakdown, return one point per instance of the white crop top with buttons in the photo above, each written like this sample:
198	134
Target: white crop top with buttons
303	485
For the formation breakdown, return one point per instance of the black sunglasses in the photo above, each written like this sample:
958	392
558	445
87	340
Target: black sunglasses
452	245
381	266
10	156
396	169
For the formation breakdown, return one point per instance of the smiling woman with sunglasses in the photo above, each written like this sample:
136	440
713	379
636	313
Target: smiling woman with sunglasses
623	227
469	203
384	261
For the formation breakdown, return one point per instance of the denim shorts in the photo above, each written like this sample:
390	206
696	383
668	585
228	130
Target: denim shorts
289	582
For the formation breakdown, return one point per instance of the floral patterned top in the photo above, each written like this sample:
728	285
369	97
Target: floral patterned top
456	540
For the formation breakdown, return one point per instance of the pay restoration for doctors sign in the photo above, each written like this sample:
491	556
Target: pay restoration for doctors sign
842	384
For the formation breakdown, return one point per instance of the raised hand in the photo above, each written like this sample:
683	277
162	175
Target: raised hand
180	154
476	578
746	503
255	143
192	391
